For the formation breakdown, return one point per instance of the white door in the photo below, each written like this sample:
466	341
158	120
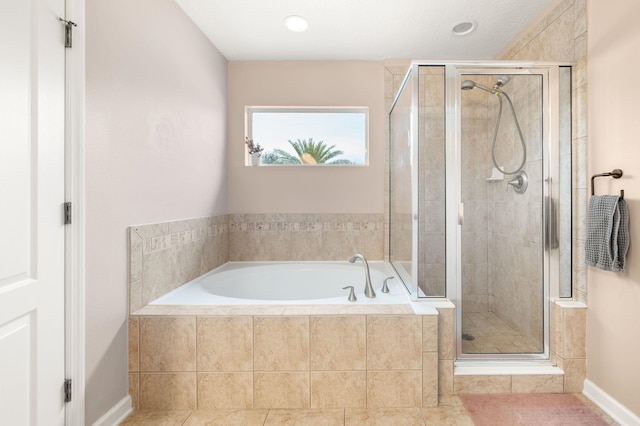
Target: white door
31	221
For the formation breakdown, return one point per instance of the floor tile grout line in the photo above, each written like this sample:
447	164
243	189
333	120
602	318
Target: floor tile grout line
187	418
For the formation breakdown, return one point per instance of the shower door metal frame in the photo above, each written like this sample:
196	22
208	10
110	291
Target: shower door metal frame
550	173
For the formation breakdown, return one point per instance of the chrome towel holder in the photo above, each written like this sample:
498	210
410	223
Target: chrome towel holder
615	173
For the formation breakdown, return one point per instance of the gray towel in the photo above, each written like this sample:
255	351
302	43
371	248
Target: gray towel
607	233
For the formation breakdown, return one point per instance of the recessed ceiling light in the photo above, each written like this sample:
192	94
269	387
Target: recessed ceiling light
296	23
464	28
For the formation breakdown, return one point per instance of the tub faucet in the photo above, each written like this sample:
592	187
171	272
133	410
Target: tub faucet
368	288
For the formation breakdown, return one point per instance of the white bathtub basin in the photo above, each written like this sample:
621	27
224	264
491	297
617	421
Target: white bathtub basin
285	283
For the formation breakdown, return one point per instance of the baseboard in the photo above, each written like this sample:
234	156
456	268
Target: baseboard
116	414
617	411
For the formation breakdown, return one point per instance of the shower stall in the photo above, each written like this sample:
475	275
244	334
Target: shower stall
480	198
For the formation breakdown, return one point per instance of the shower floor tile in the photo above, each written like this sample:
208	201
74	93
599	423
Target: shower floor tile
492	335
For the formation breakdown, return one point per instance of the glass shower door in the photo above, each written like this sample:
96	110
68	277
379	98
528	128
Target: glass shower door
502	179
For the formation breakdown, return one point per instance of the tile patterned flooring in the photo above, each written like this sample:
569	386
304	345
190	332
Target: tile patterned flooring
450	412
493	335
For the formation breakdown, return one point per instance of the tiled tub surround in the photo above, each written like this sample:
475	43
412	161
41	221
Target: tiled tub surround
270	356
288	237
275	360
303	356
164	256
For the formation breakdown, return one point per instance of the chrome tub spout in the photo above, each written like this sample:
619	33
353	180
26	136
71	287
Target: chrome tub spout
368	288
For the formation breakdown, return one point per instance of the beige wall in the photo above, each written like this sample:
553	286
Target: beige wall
613	335
306	189
156	151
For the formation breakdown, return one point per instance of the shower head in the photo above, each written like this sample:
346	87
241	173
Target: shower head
469	84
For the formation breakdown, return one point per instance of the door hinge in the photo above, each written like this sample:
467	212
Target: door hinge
67	213
68	32
67	390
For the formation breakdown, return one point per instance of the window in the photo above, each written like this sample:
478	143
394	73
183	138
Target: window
309	135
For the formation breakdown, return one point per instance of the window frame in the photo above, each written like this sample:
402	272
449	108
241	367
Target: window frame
249	110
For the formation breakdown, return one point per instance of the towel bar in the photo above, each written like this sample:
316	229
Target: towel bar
615	173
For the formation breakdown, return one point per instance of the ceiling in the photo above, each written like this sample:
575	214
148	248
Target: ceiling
361	29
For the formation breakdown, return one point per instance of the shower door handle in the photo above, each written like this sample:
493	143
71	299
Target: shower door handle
461	214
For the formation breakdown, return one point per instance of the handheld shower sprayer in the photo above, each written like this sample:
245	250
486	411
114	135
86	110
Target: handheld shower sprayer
496	90
470	84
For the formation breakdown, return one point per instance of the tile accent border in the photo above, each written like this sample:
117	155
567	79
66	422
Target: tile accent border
305	237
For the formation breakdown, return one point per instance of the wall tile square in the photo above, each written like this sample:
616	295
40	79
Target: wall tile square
445	377
225	343
537	384
337	245
227	417
189	261
281	343
337	389
575	371
244	245
369	243
446	342
167	344
338	343
135	256
395	389
384	416
135	296
160	272
167	391
274	245
394	342
134	390
305	245
557	329
326	417
225	390
133	338
481	384
151	230
281	390
574	333
429	379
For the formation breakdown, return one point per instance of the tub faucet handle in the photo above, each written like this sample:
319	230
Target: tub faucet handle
385	287
352	293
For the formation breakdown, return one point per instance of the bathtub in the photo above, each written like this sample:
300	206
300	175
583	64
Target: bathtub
287	283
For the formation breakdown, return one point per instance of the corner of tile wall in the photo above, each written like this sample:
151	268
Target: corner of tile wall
569	342
446	351
163	256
